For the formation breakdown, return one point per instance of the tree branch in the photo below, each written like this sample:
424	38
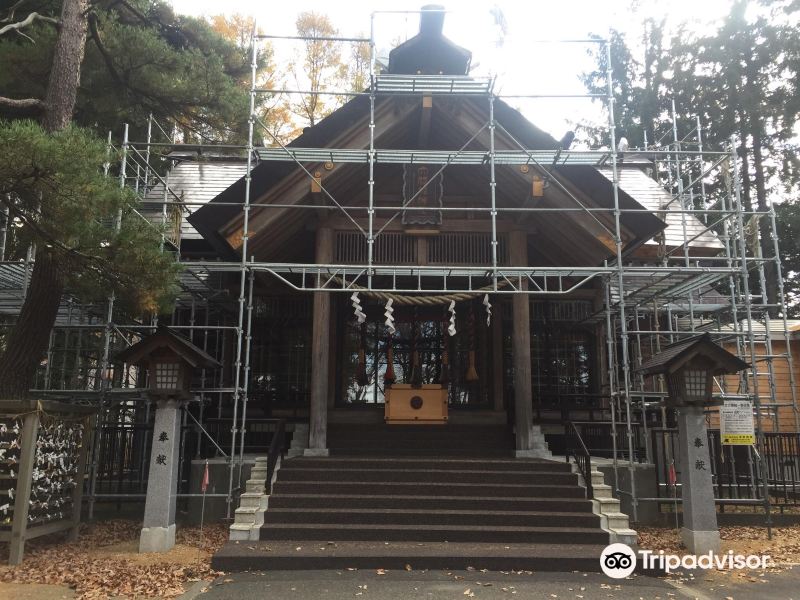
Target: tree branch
30	104
12	10
98	41
29	20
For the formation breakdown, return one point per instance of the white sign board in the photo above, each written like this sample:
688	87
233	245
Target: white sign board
736	423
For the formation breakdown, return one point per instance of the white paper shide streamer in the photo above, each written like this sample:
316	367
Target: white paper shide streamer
389	314
360	316
451	329
488	306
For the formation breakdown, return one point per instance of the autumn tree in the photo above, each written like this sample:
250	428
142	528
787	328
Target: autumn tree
271	108
319	67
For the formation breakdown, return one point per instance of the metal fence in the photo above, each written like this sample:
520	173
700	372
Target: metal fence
121	454
735	471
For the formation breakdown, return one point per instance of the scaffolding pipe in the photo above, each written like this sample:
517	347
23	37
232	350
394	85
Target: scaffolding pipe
610	335
246	383
762	464
621	282
4	228
783	309
237	385
371	156
493	191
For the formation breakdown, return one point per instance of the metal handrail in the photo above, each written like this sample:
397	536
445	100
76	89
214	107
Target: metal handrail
583	460
275	452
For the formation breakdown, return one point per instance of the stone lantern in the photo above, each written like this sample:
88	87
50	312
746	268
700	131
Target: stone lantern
169	360
689	367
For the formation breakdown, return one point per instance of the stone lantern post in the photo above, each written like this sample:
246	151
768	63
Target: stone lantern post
689	367
169	360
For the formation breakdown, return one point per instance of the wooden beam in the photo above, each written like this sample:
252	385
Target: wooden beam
295	187
77	493
449	225
320	354
27	460
497	356
425	122
521	347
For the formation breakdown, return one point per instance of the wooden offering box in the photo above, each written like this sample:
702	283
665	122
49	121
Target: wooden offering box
407	405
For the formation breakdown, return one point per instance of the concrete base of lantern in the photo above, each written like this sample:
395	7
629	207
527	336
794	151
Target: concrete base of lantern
700	542
157	539
316	452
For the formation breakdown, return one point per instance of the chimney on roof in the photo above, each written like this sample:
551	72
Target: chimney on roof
429	52
431	19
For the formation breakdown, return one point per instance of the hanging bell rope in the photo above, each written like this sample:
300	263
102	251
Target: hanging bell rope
444	379
472	373
405	300
362	378
389	377
416	365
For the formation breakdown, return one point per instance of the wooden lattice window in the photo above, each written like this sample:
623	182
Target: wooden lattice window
465	249
391	248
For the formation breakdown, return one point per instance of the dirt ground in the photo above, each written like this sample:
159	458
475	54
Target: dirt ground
105	563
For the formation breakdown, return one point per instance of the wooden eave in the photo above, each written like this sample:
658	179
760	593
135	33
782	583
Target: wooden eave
570	238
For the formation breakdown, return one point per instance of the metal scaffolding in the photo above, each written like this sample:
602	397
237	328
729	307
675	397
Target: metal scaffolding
645	303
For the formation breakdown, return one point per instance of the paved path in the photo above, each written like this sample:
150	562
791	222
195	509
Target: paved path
440	585
458	585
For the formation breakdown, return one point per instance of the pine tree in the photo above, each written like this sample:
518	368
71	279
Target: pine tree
137	58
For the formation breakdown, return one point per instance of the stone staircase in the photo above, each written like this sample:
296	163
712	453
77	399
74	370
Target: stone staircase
608	507
388	497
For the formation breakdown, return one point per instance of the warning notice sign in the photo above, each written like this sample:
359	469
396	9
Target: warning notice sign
736	423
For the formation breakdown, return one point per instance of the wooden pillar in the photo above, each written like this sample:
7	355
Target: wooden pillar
497	356
80	478
320	354
521	345
27	459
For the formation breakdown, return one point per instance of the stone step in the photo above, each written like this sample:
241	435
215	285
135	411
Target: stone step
608	505
254	486
433	533
617	520
508	465
410	452
602	490
428	502
417	516
428	475
254	500
248	514
394	556
428	488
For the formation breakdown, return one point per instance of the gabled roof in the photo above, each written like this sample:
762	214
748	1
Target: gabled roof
647	191
674	356
164	337
208	220
194	182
